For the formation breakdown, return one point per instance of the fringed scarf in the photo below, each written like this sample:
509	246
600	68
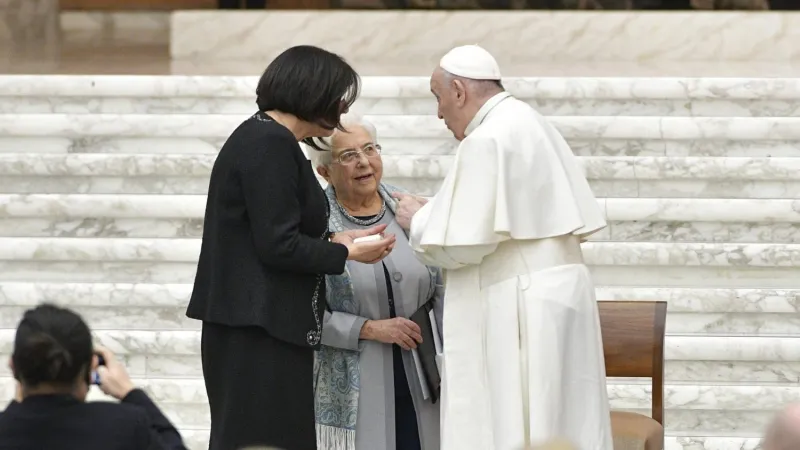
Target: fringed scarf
337	379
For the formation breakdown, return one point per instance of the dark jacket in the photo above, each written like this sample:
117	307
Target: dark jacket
62	422
264	248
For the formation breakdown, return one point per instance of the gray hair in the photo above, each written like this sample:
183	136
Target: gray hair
349	121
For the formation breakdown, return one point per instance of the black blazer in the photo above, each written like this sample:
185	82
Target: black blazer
265	246
62	422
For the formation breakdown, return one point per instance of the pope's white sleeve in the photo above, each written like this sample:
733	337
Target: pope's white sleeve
466	208
431	255
454	257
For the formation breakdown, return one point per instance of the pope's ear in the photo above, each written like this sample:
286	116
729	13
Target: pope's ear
460	89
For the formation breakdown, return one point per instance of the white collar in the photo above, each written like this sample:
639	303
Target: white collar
484	111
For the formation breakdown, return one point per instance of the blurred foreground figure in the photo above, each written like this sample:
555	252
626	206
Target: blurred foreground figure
55	364
784	431
523	355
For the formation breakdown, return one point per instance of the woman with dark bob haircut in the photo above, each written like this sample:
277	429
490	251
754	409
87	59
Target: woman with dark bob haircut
260	283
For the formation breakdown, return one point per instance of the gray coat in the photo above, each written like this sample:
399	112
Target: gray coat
411	287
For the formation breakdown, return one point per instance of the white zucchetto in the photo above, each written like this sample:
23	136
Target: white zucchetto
471	61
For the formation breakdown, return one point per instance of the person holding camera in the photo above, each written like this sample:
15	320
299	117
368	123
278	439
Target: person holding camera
55	363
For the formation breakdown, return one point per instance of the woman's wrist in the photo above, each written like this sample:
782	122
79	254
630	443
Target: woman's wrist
367	331
333	238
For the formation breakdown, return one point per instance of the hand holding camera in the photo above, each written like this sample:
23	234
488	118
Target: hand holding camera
111	376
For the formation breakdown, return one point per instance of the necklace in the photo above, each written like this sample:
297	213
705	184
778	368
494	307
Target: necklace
363	222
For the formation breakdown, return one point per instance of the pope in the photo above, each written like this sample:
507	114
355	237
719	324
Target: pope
523	356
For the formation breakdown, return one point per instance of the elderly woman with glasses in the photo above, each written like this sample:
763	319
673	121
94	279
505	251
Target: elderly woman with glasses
369	393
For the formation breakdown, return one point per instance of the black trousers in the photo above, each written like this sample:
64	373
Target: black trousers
248	4
260	389
405	415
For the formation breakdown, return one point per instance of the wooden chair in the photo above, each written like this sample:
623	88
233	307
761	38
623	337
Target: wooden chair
633	342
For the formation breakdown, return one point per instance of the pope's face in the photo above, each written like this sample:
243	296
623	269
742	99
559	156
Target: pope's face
451	98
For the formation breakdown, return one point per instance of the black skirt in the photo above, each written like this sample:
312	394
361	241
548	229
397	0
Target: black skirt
259	389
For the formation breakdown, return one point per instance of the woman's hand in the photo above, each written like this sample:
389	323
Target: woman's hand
399	330
366	252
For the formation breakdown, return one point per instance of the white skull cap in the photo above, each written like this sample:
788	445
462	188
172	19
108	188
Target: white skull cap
471	61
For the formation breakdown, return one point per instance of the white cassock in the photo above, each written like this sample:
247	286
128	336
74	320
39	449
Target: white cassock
523	355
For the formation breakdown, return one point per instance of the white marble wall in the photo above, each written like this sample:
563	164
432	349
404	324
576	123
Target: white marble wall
420	38
552	96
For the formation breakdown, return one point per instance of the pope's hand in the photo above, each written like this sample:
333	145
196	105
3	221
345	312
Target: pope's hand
366	252
407	206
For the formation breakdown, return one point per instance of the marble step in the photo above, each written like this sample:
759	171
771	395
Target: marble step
405	126
772	211
142	306
99	226
404	146
737	177
407	166
188	185
192	207
139	317
92	271
191	391
675	371
755	312
697	360
681	300
766	349
409	106
405	95
180	86
130	260
596	253
688	408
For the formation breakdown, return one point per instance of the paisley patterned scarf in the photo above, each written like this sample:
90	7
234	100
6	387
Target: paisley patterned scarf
337	379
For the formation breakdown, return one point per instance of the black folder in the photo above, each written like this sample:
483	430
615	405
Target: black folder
427	350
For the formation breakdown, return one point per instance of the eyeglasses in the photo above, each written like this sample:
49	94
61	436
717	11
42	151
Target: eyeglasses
351	156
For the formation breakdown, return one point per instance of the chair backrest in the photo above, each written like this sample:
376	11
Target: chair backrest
633	343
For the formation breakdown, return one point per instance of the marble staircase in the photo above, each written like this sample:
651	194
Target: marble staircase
102	183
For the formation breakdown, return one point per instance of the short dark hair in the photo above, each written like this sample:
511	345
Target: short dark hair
313	84
52	346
